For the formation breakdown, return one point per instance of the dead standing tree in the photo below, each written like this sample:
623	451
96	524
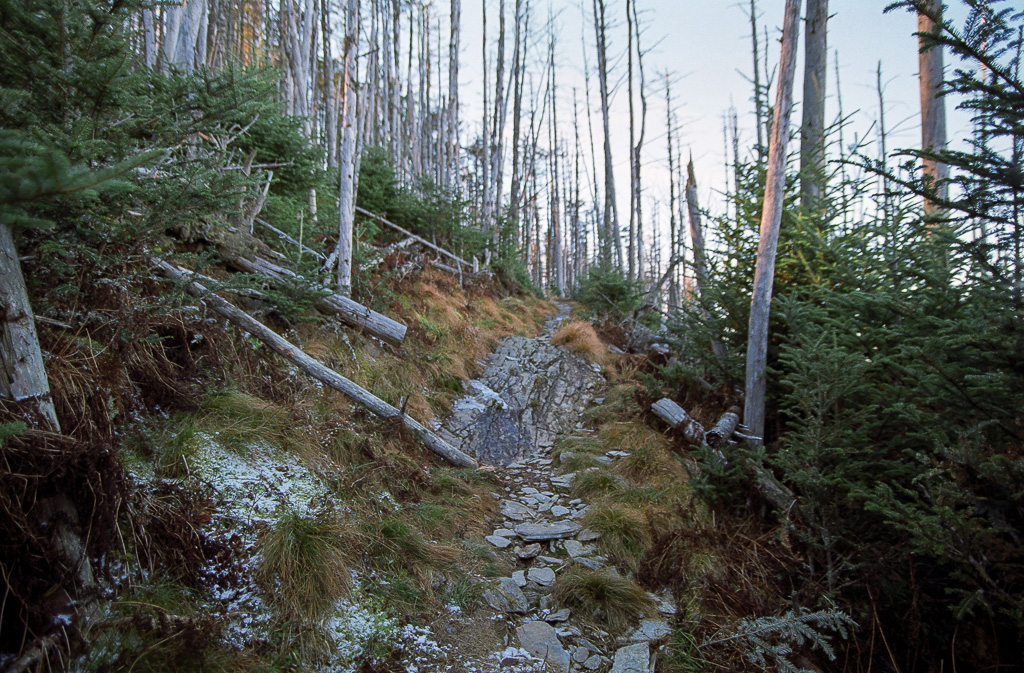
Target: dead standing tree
933	107
771	219
812	130
611	249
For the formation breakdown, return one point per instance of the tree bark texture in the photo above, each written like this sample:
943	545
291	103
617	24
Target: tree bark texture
676	417
726	425
347	155
812	130
312	367
933	106
22	373
771	219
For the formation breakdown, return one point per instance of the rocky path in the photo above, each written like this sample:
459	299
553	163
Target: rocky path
530	394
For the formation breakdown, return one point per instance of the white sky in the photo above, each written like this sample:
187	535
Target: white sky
706	46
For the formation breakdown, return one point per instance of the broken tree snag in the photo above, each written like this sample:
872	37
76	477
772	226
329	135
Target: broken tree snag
726	425
677	418
312	367
350	312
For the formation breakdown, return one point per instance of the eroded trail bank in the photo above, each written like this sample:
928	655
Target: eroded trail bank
530	392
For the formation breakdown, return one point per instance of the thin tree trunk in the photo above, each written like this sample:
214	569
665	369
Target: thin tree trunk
347	158
812	131
611	254
519	76
638	149
933	107
330	95
452	131
633	186
771	219
673	246
498	130
556	264
758	106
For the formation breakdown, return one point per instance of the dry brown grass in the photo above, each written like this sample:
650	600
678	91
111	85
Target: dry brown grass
580	338
304	564
603	597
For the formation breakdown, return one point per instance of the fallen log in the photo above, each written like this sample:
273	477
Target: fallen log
418	239
288	239
677	418
313	367
726	425
774	491
351	312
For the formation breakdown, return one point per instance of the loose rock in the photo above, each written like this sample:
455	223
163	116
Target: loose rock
632	659
541	641
538	532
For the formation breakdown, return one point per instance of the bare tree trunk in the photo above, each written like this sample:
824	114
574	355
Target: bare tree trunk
673	245
22	374
556	263
611	248
330	95
812	131
638	148
696	229
634	187
347	158
933	106
498	130
485	140
771	218
452	131
758	105
518	82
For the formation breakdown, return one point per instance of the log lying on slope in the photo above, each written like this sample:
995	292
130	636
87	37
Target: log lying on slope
350	312
419	239
774	491
677	418
311	366
726	425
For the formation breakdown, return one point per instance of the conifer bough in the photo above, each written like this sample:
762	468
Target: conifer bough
312	367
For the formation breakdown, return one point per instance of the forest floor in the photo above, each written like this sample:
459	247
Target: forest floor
270	524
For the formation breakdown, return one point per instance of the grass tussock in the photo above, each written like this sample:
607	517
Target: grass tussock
604	597
625	533
580	338
304	563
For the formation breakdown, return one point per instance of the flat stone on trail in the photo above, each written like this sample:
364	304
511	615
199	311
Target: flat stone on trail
519	577
587	535
558	511
650	629
539	532
632	659
505	532
516	511
498	541
528	552
541	641
542	576
593	663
